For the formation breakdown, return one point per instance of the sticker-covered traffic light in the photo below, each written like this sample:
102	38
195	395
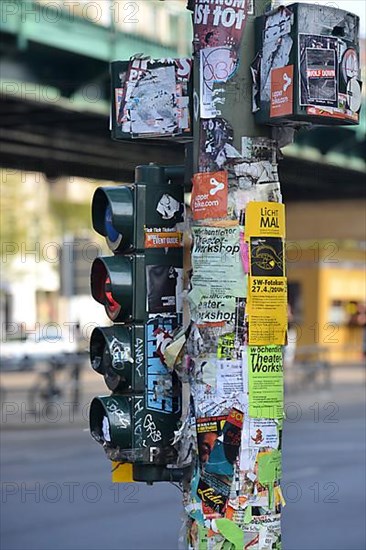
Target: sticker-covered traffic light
140	288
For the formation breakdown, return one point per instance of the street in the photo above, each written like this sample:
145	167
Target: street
57	494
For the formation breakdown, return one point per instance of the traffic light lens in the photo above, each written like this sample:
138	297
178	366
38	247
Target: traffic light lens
113	308
111	233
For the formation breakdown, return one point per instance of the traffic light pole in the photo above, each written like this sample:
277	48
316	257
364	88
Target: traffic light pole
238	294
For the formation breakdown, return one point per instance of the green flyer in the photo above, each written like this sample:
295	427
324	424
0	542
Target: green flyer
265	371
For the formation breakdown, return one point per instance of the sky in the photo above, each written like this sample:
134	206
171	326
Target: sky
354	6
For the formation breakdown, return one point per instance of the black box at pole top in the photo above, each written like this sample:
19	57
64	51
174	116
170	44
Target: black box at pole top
307	68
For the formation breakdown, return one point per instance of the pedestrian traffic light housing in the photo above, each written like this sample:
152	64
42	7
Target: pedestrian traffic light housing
140	287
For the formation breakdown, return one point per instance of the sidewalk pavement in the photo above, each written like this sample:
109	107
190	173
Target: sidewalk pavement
20	411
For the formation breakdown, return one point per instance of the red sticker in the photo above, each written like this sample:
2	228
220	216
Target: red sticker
209	195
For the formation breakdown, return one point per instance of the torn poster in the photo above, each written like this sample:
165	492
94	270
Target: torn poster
151	97
216	139
217	66
219	23
208	430
218	275
265	371
277	46
209	195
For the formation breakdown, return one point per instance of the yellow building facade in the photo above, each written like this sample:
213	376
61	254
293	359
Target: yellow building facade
326	274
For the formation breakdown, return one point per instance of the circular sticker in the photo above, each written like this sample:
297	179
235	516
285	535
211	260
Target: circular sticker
354	95
350	65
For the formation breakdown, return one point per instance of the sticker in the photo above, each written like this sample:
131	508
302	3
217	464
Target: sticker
350	65
145	82
163	239
209	195
282	91
260	432
265	370
354	96
277	46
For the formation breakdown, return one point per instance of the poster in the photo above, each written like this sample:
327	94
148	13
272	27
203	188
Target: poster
318	62
265	370
209	195
218	276
218	23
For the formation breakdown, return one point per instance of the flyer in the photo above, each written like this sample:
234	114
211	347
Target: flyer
265	370
218	275
259	433
265	219
267	310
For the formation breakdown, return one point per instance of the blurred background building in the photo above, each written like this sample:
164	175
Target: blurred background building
56	150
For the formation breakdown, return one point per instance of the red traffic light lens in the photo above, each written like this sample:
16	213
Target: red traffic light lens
112	307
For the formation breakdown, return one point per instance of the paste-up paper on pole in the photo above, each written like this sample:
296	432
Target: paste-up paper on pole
265	370
218	24
218	276
265	219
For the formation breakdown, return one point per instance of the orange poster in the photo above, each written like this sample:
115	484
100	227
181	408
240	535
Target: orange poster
282	91
209	195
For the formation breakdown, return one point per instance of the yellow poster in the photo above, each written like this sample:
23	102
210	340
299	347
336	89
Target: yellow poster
265	219
267	310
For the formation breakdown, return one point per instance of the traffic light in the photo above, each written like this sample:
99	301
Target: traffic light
140	288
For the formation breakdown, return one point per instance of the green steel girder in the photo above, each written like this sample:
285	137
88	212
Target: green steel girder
32	22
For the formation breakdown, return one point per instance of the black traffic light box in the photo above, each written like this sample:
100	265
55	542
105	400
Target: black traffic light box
307	68
140	287
140	221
